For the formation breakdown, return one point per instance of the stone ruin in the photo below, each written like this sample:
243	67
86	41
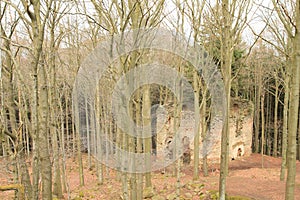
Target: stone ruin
240	136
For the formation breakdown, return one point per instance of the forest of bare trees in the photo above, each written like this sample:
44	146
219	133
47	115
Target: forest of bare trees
86	81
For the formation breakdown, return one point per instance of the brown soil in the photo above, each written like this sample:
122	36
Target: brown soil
247	177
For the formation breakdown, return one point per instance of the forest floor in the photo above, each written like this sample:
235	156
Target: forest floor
246	178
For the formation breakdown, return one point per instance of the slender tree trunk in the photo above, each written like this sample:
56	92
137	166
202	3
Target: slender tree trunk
22	167
81	174
132	160
226	61
257	108
148	142
66	119
268	127
35	146
88	134
177	116
224	160
197	126
65	187
293	110
45	163
262	129
139	147
285	126
57	186
99	116
299	136
275	143
124	161
74	140
178	185
41	158
77	140
204	128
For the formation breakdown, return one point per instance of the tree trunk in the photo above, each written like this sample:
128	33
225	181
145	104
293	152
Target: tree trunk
299	136
293	110
65	187
124	174
258	87
88	130
197	126
132	162
99	156
77	140
268	127
204	128
139	148
275	120
57	186
43	140
148	141
284	127
226	61
262	128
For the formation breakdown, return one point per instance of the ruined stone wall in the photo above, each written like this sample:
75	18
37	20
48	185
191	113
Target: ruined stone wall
240	137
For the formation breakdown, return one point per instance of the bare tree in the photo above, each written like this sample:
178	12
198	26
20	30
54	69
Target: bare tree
292	25
230	18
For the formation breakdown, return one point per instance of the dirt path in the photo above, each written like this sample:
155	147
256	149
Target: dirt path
246	178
